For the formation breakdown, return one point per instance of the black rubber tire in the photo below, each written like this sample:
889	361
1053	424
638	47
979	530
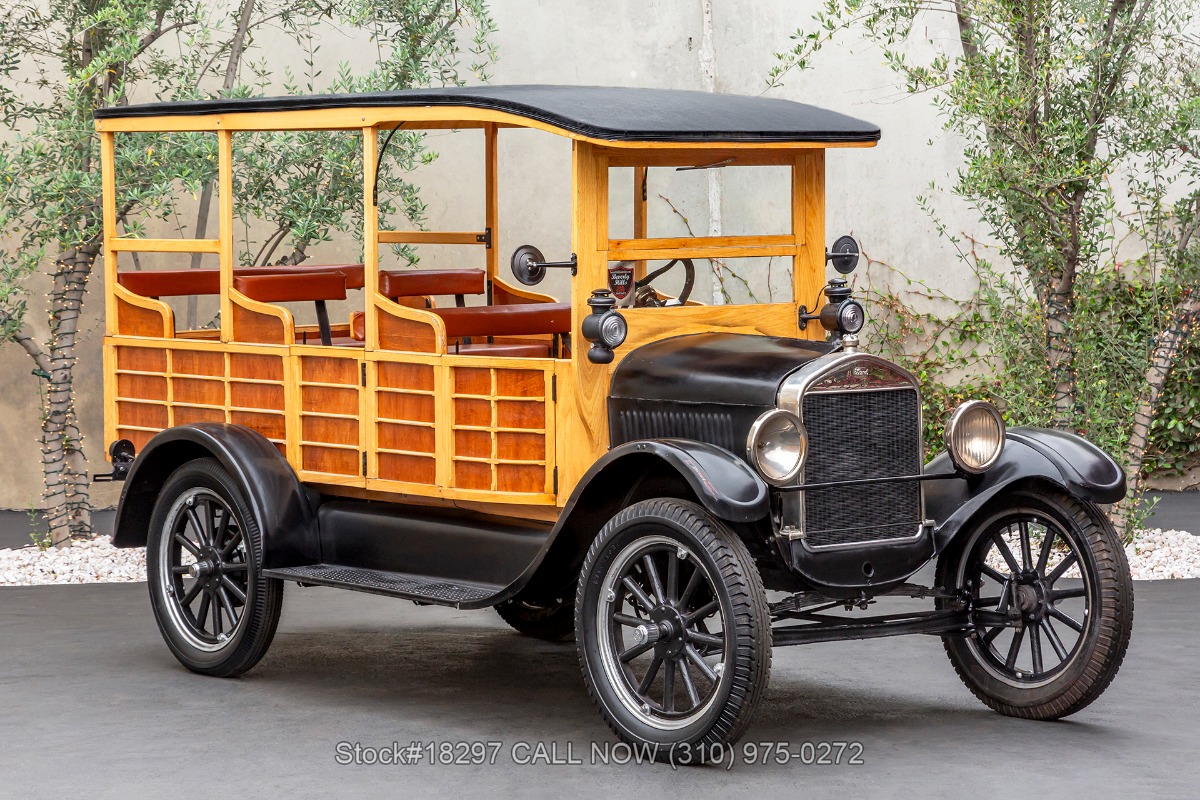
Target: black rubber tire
1106	635
743	603
264	596
553	622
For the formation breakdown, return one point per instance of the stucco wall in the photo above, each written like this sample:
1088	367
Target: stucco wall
871	193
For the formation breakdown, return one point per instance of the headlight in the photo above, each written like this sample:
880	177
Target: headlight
613	330
975	436
777	446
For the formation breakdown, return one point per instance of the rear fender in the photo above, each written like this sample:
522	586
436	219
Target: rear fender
279	502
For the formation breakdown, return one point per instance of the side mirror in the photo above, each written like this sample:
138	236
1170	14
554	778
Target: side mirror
529	265
844	255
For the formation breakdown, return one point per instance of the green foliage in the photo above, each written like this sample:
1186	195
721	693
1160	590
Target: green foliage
60	60
1080	124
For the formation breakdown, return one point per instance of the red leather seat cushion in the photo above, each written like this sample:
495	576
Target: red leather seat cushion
292	288
181	282
421	282
516	320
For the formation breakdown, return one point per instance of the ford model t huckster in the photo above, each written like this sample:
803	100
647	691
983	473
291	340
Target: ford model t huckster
631	467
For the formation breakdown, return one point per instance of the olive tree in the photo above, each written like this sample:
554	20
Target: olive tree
60	60
1081	123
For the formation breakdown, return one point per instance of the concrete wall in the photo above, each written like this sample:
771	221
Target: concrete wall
657	43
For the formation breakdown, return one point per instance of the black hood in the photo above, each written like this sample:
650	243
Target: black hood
712	368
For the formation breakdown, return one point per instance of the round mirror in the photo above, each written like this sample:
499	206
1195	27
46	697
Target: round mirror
844	254
527	265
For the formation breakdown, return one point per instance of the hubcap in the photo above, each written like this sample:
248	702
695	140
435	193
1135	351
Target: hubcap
661	631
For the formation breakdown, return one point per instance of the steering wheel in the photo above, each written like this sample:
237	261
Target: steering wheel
645	297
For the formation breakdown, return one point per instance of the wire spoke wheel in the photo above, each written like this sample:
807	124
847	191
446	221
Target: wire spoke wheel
1045	576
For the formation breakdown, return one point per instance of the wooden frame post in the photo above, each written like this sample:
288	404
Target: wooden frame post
640	216
370	239
225	229
582	427
808	228
491	213
108	210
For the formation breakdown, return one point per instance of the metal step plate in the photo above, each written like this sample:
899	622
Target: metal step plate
395	584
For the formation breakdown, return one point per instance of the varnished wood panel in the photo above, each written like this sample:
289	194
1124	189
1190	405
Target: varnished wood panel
256	367
256	328
134	320
407	468
519	478
196	362
272	426
256	395
142	359
142	387
333	461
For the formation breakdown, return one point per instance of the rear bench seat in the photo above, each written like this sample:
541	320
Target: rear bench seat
464	323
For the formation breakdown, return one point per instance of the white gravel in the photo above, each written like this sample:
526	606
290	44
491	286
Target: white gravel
1154	554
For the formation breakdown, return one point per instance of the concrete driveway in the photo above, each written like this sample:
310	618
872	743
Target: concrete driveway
92	704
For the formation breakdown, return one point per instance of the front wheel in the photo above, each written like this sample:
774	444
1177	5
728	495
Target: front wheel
673	630
1048	583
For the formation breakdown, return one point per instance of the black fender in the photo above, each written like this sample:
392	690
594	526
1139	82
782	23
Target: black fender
716	478
279	502
1063	459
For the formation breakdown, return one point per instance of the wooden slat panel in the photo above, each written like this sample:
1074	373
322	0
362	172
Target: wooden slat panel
166	245
692	251
431	237
408	469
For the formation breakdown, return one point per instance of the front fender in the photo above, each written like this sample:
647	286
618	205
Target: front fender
723	483
1064	459
278	500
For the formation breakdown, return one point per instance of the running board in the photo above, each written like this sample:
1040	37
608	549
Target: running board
435	591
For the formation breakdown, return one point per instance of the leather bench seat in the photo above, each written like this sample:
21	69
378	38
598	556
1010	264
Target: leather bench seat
424	282
315	286
182	282
526	319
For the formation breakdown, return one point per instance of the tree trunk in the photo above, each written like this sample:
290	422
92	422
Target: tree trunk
67	496
1166	349
1060	358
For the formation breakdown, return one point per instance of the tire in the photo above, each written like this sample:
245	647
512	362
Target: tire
204	549
1032	671
687	548
552	621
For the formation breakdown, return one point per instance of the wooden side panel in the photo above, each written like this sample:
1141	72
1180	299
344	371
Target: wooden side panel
399	331
176	383
405	422
256	327
502	429
142	320
329	410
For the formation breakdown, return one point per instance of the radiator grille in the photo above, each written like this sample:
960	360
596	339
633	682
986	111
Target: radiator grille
856	435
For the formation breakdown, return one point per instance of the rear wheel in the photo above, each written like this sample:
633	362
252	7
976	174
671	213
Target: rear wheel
203	562
1047	577
552	620
673	630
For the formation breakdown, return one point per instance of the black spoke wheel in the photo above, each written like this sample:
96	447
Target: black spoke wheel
215	611
1051	596
673	629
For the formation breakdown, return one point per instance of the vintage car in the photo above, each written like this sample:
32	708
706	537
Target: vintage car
680	486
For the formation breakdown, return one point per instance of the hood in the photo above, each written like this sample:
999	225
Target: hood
713	368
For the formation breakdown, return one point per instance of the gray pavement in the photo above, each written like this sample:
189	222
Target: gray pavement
92	704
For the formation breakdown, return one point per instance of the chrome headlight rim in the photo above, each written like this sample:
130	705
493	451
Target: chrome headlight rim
956	420
752	449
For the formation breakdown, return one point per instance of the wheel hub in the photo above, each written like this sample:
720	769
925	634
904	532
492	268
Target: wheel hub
671	626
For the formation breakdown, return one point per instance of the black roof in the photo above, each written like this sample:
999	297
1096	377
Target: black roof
598	112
